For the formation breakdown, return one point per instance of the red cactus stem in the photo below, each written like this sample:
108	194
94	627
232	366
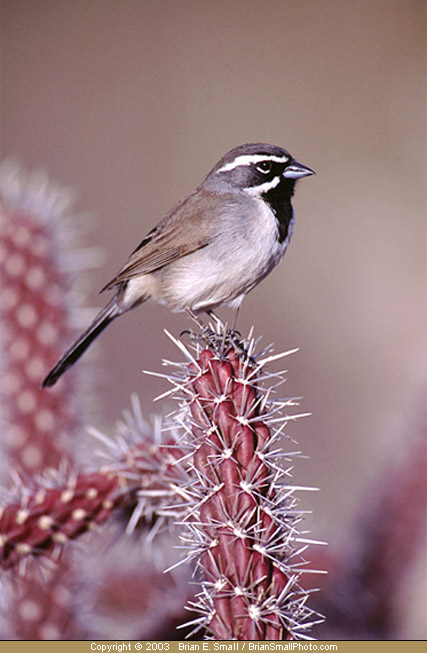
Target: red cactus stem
53	516
242	523
140	479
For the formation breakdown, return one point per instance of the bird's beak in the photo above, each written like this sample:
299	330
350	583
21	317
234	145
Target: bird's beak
296	170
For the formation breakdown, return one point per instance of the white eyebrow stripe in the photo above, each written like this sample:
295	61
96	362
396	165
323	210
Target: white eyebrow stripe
263	188
248	159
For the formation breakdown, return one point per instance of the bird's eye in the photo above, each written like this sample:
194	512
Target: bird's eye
264	167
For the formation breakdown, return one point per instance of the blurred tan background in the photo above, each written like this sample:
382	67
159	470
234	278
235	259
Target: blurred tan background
131	103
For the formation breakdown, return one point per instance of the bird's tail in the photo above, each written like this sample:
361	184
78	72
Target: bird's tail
73	353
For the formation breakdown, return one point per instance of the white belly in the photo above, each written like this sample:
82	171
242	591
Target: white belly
228	268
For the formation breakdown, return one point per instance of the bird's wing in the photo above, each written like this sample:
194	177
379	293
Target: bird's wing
189	226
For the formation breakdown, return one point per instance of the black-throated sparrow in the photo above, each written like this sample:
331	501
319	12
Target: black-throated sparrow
213	247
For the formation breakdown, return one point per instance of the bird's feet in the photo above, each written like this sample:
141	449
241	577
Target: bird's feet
219	337
214	339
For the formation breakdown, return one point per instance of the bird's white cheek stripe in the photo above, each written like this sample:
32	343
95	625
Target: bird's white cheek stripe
263	188
248	159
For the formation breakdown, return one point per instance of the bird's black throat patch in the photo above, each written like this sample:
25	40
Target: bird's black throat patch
279	201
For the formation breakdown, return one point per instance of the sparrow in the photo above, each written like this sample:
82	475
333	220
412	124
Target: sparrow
212	248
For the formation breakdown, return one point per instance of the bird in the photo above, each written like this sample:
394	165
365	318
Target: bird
212	248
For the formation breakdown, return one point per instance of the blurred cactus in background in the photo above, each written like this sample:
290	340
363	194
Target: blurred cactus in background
38	257
40	250
370	586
